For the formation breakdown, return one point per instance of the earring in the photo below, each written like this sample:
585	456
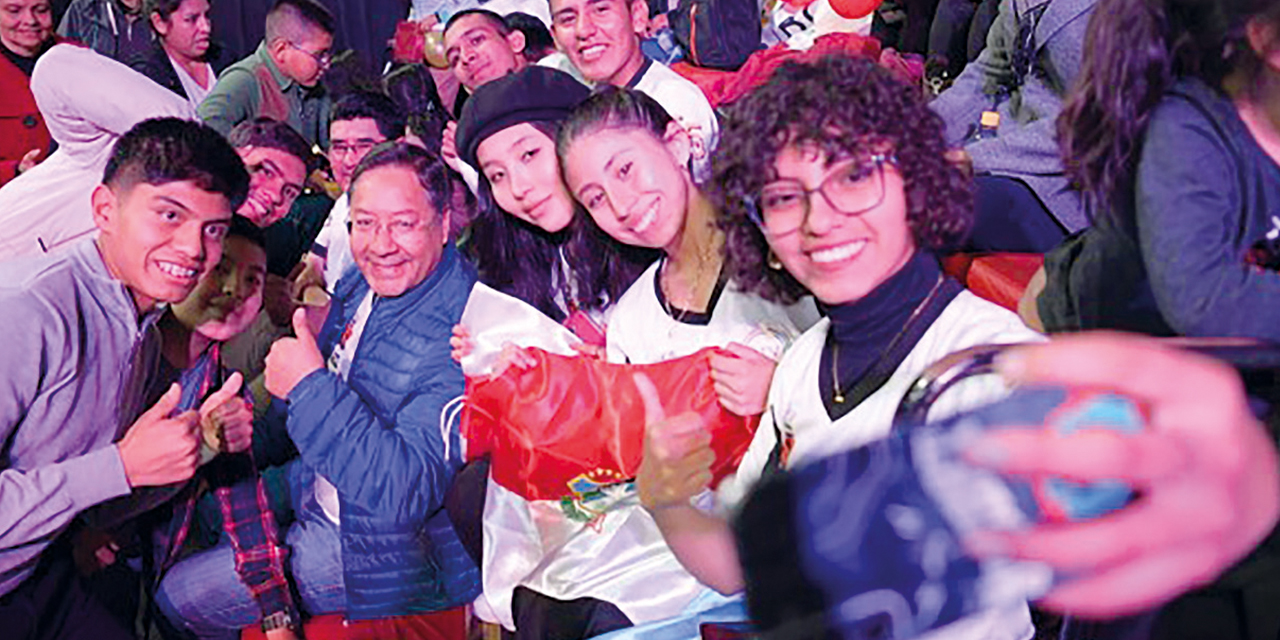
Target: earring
773	261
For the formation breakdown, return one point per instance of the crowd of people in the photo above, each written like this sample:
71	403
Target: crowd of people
509	333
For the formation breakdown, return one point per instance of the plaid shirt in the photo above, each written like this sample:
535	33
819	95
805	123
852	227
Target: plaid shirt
246	513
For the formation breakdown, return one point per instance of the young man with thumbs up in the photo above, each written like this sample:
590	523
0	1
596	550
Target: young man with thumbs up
72	382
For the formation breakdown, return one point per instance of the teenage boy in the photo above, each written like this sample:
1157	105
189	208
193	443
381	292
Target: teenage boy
281	79
74	383
602	40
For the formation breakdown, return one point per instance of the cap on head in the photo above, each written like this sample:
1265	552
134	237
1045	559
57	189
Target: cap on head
533	94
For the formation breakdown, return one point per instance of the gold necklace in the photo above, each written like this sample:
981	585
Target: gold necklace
838	396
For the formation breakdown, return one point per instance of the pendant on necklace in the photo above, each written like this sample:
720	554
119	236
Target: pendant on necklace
839	397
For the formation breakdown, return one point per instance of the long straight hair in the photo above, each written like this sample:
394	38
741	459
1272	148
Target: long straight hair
1134	50
520	259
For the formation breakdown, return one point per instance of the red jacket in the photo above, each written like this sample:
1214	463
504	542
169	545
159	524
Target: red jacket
21	125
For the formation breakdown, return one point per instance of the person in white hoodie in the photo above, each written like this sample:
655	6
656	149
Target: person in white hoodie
88	102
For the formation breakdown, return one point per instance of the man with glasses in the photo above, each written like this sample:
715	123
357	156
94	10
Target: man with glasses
370	537
281	79
358	123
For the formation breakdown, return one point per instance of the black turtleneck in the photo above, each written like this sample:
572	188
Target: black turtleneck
864	329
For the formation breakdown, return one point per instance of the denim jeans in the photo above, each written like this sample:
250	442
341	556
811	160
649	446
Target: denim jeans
203	596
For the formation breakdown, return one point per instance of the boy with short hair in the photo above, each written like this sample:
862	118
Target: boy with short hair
71	389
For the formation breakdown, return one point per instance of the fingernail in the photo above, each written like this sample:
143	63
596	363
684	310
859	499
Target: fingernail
987	452
986	544
1011	365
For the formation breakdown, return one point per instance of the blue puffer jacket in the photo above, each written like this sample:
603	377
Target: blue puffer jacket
377	438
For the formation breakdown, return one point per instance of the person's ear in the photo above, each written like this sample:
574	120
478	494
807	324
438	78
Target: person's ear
678	144
516	40
276	49
159	24
445	226
104	204
639	16
1264	38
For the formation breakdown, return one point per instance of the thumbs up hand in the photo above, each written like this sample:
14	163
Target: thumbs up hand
292	359
677	453
159	449
226	419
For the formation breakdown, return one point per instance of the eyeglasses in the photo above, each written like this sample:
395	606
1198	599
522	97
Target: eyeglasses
402	231
322	58
359	147
288	191
853	188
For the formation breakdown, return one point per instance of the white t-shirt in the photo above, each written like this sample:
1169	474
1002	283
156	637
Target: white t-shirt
195	93
340	363
642	332
795	404
335	239
685	102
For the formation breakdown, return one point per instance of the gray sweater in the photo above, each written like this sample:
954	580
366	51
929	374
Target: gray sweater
72	373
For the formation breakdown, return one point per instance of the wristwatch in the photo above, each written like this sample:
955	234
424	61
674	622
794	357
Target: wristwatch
277	620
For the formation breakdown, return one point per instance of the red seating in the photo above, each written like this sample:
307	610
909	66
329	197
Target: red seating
998	277
440	625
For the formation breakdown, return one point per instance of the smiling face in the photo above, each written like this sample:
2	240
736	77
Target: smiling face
25	25
229	297
159	239
632	183
841	258
520	164
601	37
185	34
477	52
397	237
275	181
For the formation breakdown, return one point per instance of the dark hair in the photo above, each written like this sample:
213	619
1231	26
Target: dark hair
241	227
611	107
164	150
348	73
489	16
537	38
1133	52
521	259
374	106
287	17
433	176
847	107
413	90
163	7
272	134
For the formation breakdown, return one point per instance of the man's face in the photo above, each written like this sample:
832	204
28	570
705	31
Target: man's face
158	240
229	297
397	237
478	53
25	25
305	61
275	180
600	37
349	142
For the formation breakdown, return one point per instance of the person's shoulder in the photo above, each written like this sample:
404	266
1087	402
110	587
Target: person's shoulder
970	320
661	79
39	288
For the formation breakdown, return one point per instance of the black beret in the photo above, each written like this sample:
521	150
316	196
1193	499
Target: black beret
533	94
